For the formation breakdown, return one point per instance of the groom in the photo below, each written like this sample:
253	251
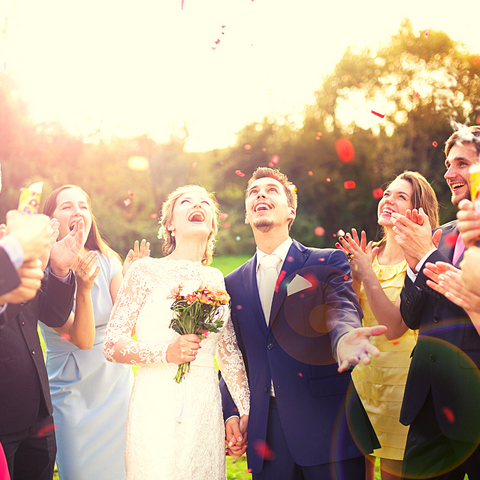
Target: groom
306	421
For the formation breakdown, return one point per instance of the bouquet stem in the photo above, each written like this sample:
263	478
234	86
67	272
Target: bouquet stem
182	370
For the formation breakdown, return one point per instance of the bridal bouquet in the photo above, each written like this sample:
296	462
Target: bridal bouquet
196	310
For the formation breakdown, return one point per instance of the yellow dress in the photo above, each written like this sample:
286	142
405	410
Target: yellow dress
381	384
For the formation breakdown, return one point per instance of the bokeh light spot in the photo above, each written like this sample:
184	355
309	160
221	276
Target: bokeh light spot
345	150
319	231
377	193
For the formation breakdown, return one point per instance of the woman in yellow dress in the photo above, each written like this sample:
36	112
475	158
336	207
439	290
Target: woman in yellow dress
378	272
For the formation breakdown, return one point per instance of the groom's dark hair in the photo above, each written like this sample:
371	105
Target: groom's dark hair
288	187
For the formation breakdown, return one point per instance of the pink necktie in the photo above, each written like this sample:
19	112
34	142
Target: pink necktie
459	249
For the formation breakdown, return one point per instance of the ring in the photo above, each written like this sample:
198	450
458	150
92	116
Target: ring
193	352
350	256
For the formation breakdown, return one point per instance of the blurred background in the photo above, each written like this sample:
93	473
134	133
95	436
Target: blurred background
130	100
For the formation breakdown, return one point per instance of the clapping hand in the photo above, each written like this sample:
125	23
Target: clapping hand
355	346
84	273
139	251
31	274
64	253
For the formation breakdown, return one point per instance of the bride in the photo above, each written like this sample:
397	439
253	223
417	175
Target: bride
175	431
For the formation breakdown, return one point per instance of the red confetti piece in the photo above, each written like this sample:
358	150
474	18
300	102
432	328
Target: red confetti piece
239	173
377	193
449	414
300	374
312	279
127	202
223	33
214	47
395	342
130	194
476	60
247	146
321	259
417	96
223	26
275	159
223	216
238	307
262	449
346	277
310	173
44	430
427	33
226	225
328	179
280	279
290	258
194	164
450	239
319	231
345	150
217	41
349	184
249	470
434	144
381	115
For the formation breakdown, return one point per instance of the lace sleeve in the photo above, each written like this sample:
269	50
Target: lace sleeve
118	345
230	361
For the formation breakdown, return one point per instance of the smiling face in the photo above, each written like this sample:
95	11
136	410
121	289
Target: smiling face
192	215
267	206
71	205
460	158
396	198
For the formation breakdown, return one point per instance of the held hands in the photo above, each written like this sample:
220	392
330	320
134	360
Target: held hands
236	436
31	274
414	235
468	223
184	349
83	271
359	253
355	346
138	252
65	252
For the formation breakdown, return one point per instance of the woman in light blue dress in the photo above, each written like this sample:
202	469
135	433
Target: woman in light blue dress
90	395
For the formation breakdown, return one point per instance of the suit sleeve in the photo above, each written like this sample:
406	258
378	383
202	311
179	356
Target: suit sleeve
9	279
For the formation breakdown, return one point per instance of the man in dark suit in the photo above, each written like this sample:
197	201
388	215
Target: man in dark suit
442	393
26	422
306	421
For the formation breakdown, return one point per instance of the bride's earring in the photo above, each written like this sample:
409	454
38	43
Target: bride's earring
172	233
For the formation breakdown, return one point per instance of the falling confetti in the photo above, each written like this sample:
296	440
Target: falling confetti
310	173
249	470
434	144
194	164
319	231
381	115
476	60
226	225
346	277
450	239
349	184
340	233
319	134
153	215
290	259
247	146
417	96
427	33
263	450
44	430
300	374
280	279
264	149
275	159
223	216
217	41
345	150
238	307
239	173
127	202
328	179
377	193
449	414
395	342
130	194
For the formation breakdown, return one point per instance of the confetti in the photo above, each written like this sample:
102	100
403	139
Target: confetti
223	216
349	184
274	161
340	233
310	173
345	150
249	470
194	164
319	231
247	146
417	96
237	239
239	173
290	259
317	138
264	149
153	215
328	179
44	430
238	307
226	225
217	41
127	202
381	115
427	33
476	60
377	193
395	342
300	374
263	450
346	277
449	414
130	194
319	134
434	144
450	239
214	47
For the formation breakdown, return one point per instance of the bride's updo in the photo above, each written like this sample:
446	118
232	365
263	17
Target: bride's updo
169	242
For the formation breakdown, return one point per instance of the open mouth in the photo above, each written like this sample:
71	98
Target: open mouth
196	217
72	225
456	185
387	211
261	207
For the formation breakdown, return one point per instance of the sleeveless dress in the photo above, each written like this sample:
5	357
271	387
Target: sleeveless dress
381	384
89	395
174	431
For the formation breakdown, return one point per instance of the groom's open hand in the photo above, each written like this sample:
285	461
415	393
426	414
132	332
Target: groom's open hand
236	436
355	346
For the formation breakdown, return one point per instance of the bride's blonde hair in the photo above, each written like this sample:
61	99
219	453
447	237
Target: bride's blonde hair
169	242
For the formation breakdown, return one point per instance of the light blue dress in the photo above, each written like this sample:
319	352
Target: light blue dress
90	395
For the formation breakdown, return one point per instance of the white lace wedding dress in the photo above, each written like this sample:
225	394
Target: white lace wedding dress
174	431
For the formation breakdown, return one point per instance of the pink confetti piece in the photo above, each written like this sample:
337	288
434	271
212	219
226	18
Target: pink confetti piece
377	193
319	231
280	279
217	41
395	342
214	47
247	146
300	374
248	470
449	414
450	239
317	138
381	115
345	150
223	26
127	202
328	179
264	149
349	184
435	144
310	173
312	279
153	215
223	216
417	96
319	134
130	194
238	307
262	449
226	225
290	259
194	164
427	33
239	173
275	159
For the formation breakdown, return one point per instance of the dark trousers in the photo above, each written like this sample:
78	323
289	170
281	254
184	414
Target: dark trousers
279	464
31	453
431	455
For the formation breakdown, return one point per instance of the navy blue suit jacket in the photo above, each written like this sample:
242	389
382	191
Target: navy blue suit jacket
446	358
315	403
9	279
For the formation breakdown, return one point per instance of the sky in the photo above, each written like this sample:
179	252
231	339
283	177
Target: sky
148	66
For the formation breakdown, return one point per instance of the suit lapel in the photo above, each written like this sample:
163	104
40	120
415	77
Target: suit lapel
448	240
293	263
251	287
